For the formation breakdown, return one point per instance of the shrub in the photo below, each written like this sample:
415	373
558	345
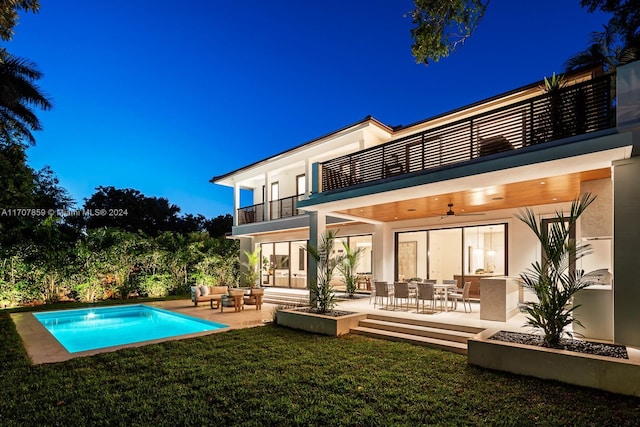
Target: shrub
156	285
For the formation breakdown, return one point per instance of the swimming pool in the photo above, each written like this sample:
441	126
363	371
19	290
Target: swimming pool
95	328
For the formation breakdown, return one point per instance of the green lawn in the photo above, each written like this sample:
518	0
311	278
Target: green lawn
274	376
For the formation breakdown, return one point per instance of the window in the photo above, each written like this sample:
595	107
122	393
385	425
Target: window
275	191
301	185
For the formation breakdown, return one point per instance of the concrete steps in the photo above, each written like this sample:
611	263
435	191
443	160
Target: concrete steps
286	299
422	332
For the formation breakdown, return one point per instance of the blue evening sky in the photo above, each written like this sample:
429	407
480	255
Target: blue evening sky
160	95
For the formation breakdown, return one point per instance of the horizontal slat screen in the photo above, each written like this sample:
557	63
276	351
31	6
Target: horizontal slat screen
575	110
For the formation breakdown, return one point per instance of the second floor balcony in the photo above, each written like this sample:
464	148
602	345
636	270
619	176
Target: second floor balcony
281	208
573	110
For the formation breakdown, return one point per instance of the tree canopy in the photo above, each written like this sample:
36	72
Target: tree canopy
441	26
9	14
626	15
26	197
619	41
130	210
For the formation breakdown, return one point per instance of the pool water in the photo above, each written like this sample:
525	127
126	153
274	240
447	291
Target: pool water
94	328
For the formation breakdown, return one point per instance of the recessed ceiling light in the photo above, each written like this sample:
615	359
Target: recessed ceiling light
435	198
395	217
542	183
555	198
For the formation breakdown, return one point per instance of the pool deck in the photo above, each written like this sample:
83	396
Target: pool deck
42	347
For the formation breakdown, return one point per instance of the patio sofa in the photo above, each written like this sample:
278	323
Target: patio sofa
207	293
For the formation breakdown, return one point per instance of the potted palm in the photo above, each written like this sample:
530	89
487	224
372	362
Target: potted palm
553	280
252	274
321	317
321	292
348	266
555	108
252	277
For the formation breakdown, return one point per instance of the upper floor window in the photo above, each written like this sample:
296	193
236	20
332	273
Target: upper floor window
301	185
275	191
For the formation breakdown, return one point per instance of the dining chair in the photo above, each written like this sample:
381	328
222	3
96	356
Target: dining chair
449	282
383	290
372	292
425	293
463	296
401	291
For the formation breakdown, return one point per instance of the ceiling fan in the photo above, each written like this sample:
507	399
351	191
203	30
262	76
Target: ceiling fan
450	212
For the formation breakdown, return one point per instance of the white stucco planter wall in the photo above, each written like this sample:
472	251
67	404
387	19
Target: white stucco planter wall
604	373
319	323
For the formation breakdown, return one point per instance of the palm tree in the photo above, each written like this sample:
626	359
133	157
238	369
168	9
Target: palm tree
553	280
348	267
321	292
18	94
604	51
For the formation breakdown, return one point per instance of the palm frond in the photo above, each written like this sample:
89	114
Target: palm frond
18	93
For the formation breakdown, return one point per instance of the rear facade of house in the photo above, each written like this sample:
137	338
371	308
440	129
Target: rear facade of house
437	199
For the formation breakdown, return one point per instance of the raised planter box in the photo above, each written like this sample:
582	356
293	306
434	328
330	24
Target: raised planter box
600	372
319	323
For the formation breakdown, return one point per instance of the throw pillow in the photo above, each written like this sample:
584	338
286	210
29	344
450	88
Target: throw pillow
204	290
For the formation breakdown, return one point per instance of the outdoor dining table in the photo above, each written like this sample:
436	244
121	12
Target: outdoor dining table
446	288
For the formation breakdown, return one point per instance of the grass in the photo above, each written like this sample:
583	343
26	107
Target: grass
275	376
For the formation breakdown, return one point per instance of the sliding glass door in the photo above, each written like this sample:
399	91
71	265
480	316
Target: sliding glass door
448	253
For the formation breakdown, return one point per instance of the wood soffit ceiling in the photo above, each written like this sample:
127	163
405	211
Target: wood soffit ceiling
544	191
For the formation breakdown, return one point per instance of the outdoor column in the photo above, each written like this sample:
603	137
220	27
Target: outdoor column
266	197
380	254
626	238
236	202
317	226
307	177
626	212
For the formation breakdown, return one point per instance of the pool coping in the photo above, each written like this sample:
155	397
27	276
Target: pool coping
42	347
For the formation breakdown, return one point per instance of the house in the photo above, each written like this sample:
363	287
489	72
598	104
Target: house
436	199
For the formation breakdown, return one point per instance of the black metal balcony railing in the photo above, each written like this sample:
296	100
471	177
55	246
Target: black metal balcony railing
282	208
251	214
574	110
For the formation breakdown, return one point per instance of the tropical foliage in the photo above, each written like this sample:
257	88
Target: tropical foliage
19	93
603	50
619	43
321	292
253	268
112	263
348	267
9	15
553	280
